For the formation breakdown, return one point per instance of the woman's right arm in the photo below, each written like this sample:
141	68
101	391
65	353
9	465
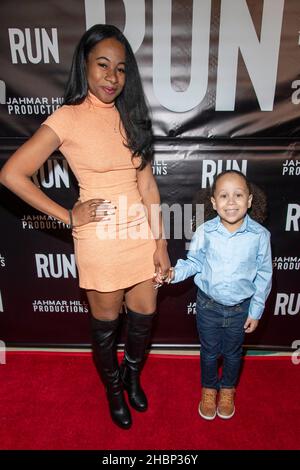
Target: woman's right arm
17	171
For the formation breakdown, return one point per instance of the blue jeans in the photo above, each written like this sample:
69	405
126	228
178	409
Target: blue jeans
221	333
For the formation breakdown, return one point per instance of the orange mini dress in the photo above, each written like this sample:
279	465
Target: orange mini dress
116	253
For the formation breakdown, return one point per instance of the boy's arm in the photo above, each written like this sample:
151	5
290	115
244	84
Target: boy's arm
195	257
263	279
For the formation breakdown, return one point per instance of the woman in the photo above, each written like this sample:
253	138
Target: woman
104	132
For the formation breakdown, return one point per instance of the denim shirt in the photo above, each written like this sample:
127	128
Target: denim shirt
230	267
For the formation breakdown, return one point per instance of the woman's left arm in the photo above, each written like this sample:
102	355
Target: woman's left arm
151	199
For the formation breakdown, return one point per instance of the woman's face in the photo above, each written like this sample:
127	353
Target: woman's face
105	69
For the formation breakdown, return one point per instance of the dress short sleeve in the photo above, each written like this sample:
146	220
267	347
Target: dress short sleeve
61	122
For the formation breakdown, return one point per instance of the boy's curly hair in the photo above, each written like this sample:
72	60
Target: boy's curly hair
257	211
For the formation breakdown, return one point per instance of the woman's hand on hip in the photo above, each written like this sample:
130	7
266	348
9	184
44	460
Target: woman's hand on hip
92	210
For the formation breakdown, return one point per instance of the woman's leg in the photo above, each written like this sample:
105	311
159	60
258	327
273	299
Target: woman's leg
141	307
105	307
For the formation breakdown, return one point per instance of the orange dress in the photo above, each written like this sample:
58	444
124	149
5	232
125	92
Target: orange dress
117	253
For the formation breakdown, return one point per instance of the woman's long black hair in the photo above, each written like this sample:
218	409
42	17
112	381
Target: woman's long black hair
131	103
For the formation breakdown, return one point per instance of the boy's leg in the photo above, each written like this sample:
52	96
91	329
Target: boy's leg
209	330
232	343
210	335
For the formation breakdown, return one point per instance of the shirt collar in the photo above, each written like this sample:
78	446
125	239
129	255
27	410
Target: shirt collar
212	225
252	226
247	225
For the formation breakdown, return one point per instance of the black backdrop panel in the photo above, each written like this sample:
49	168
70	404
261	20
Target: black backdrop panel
209	68
39	285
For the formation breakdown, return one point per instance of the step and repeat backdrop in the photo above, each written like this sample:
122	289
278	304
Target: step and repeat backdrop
222	78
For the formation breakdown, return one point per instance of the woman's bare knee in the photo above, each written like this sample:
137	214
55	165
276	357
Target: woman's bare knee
141	298
105	305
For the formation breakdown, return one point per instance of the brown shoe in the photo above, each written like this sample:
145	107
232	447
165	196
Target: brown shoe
207	407
226	407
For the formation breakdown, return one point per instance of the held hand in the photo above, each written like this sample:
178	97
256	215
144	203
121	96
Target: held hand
250	325
92	210
160	279
162	265
171	276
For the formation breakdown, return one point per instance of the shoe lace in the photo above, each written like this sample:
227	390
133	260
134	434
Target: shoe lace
208	396
227	396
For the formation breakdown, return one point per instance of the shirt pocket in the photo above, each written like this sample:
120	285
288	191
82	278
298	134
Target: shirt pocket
245	255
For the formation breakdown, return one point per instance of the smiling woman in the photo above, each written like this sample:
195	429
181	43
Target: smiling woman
106	70
104	131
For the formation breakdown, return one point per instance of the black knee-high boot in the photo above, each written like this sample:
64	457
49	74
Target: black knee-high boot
138	333
106	360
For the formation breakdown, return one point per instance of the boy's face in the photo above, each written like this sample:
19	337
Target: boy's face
231	200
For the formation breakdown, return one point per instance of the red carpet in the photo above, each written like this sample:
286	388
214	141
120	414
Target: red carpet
56	401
